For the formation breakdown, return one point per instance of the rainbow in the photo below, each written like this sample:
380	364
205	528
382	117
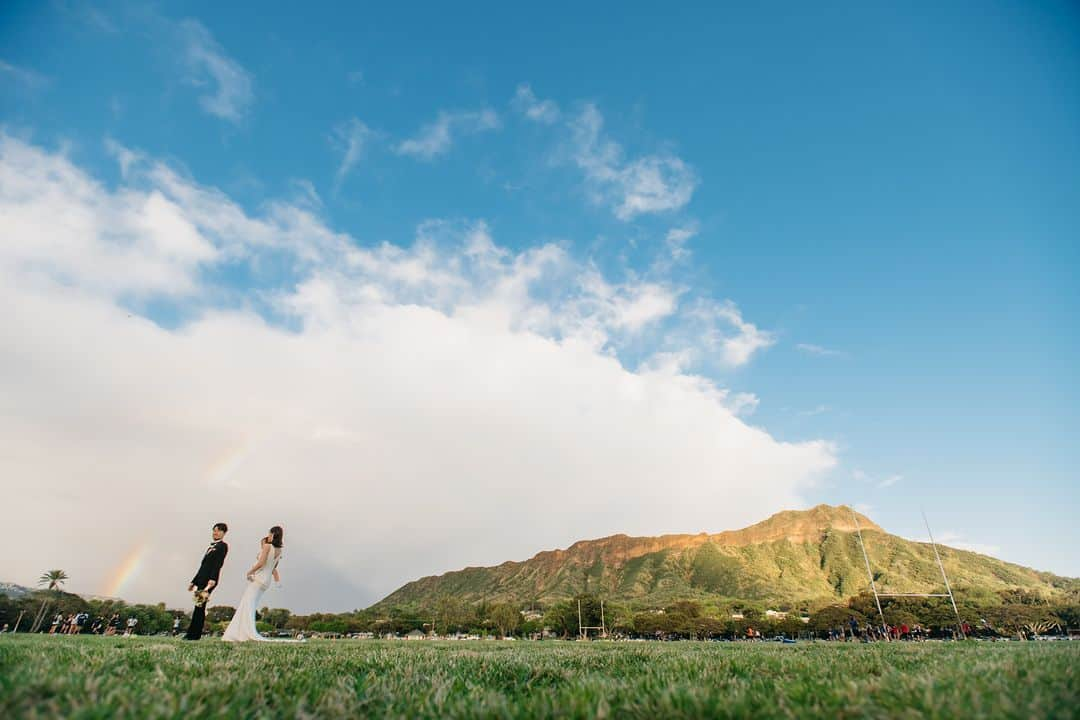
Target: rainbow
126	570
221	468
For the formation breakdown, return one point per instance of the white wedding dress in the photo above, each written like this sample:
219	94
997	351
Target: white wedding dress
242	626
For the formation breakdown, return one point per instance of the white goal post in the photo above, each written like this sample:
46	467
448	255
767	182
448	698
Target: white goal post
583	630
873	586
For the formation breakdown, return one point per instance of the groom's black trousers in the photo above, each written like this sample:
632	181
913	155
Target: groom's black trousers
198	619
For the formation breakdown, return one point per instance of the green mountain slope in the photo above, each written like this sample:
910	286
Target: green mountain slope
810	555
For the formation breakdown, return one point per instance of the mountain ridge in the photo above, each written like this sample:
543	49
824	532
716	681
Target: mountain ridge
793	555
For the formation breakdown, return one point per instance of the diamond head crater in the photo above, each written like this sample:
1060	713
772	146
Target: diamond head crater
798	558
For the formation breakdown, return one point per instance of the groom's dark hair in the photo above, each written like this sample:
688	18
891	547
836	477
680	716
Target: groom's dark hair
221	526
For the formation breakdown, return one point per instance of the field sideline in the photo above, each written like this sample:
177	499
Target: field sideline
96	677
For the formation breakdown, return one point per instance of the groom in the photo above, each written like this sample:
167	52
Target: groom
207	578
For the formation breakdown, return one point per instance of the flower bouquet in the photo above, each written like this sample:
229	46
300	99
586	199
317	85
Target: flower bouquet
200	597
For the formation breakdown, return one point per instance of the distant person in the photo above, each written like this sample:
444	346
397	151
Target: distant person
131	623
56	623
176	626
206	579
114	624
242	626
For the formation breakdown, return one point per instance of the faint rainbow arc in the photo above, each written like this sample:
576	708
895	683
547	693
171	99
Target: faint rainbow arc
220	469
128	568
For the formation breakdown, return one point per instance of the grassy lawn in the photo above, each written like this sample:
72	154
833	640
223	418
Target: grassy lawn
92	677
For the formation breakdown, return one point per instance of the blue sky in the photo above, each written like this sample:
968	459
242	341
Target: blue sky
874	209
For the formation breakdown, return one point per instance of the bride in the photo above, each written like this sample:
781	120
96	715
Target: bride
242	626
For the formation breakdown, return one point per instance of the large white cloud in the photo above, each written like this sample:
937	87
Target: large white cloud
401	410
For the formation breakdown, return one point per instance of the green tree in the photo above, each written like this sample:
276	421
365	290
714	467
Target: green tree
1015	619
791	626
652	624
152	619
299	622
505	617
276	617
619	618
562	618
683	617
865	605
329	626
220	613
452	614
54	579
1068	615
834	617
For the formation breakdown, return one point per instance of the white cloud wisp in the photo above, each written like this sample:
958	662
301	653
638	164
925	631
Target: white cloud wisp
541	111
351	138
648	184
208	65
437	137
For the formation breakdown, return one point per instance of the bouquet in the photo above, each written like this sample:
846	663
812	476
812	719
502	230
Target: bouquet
200	597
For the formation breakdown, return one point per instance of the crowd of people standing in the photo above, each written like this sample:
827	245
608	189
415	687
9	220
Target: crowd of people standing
82	624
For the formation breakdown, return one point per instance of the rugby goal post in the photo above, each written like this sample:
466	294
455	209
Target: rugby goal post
941	566
583	630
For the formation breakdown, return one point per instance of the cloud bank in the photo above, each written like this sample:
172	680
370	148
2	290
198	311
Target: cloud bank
401	409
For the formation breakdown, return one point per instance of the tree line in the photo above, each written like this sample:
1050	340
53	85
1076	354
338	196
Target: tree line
1003	614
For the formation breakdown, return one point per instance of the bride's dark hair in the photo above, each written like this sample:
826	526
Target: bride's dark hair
276	536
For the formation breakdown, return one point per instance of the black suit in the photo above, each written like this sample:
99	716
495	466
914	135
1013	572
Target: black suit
209	569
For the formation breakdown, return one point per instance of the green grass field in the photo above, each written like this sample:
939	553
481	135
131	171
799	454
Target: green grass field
96	677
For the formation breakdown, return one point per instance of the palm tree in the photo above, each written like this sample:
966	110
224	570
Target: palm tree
1041	627
54	578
